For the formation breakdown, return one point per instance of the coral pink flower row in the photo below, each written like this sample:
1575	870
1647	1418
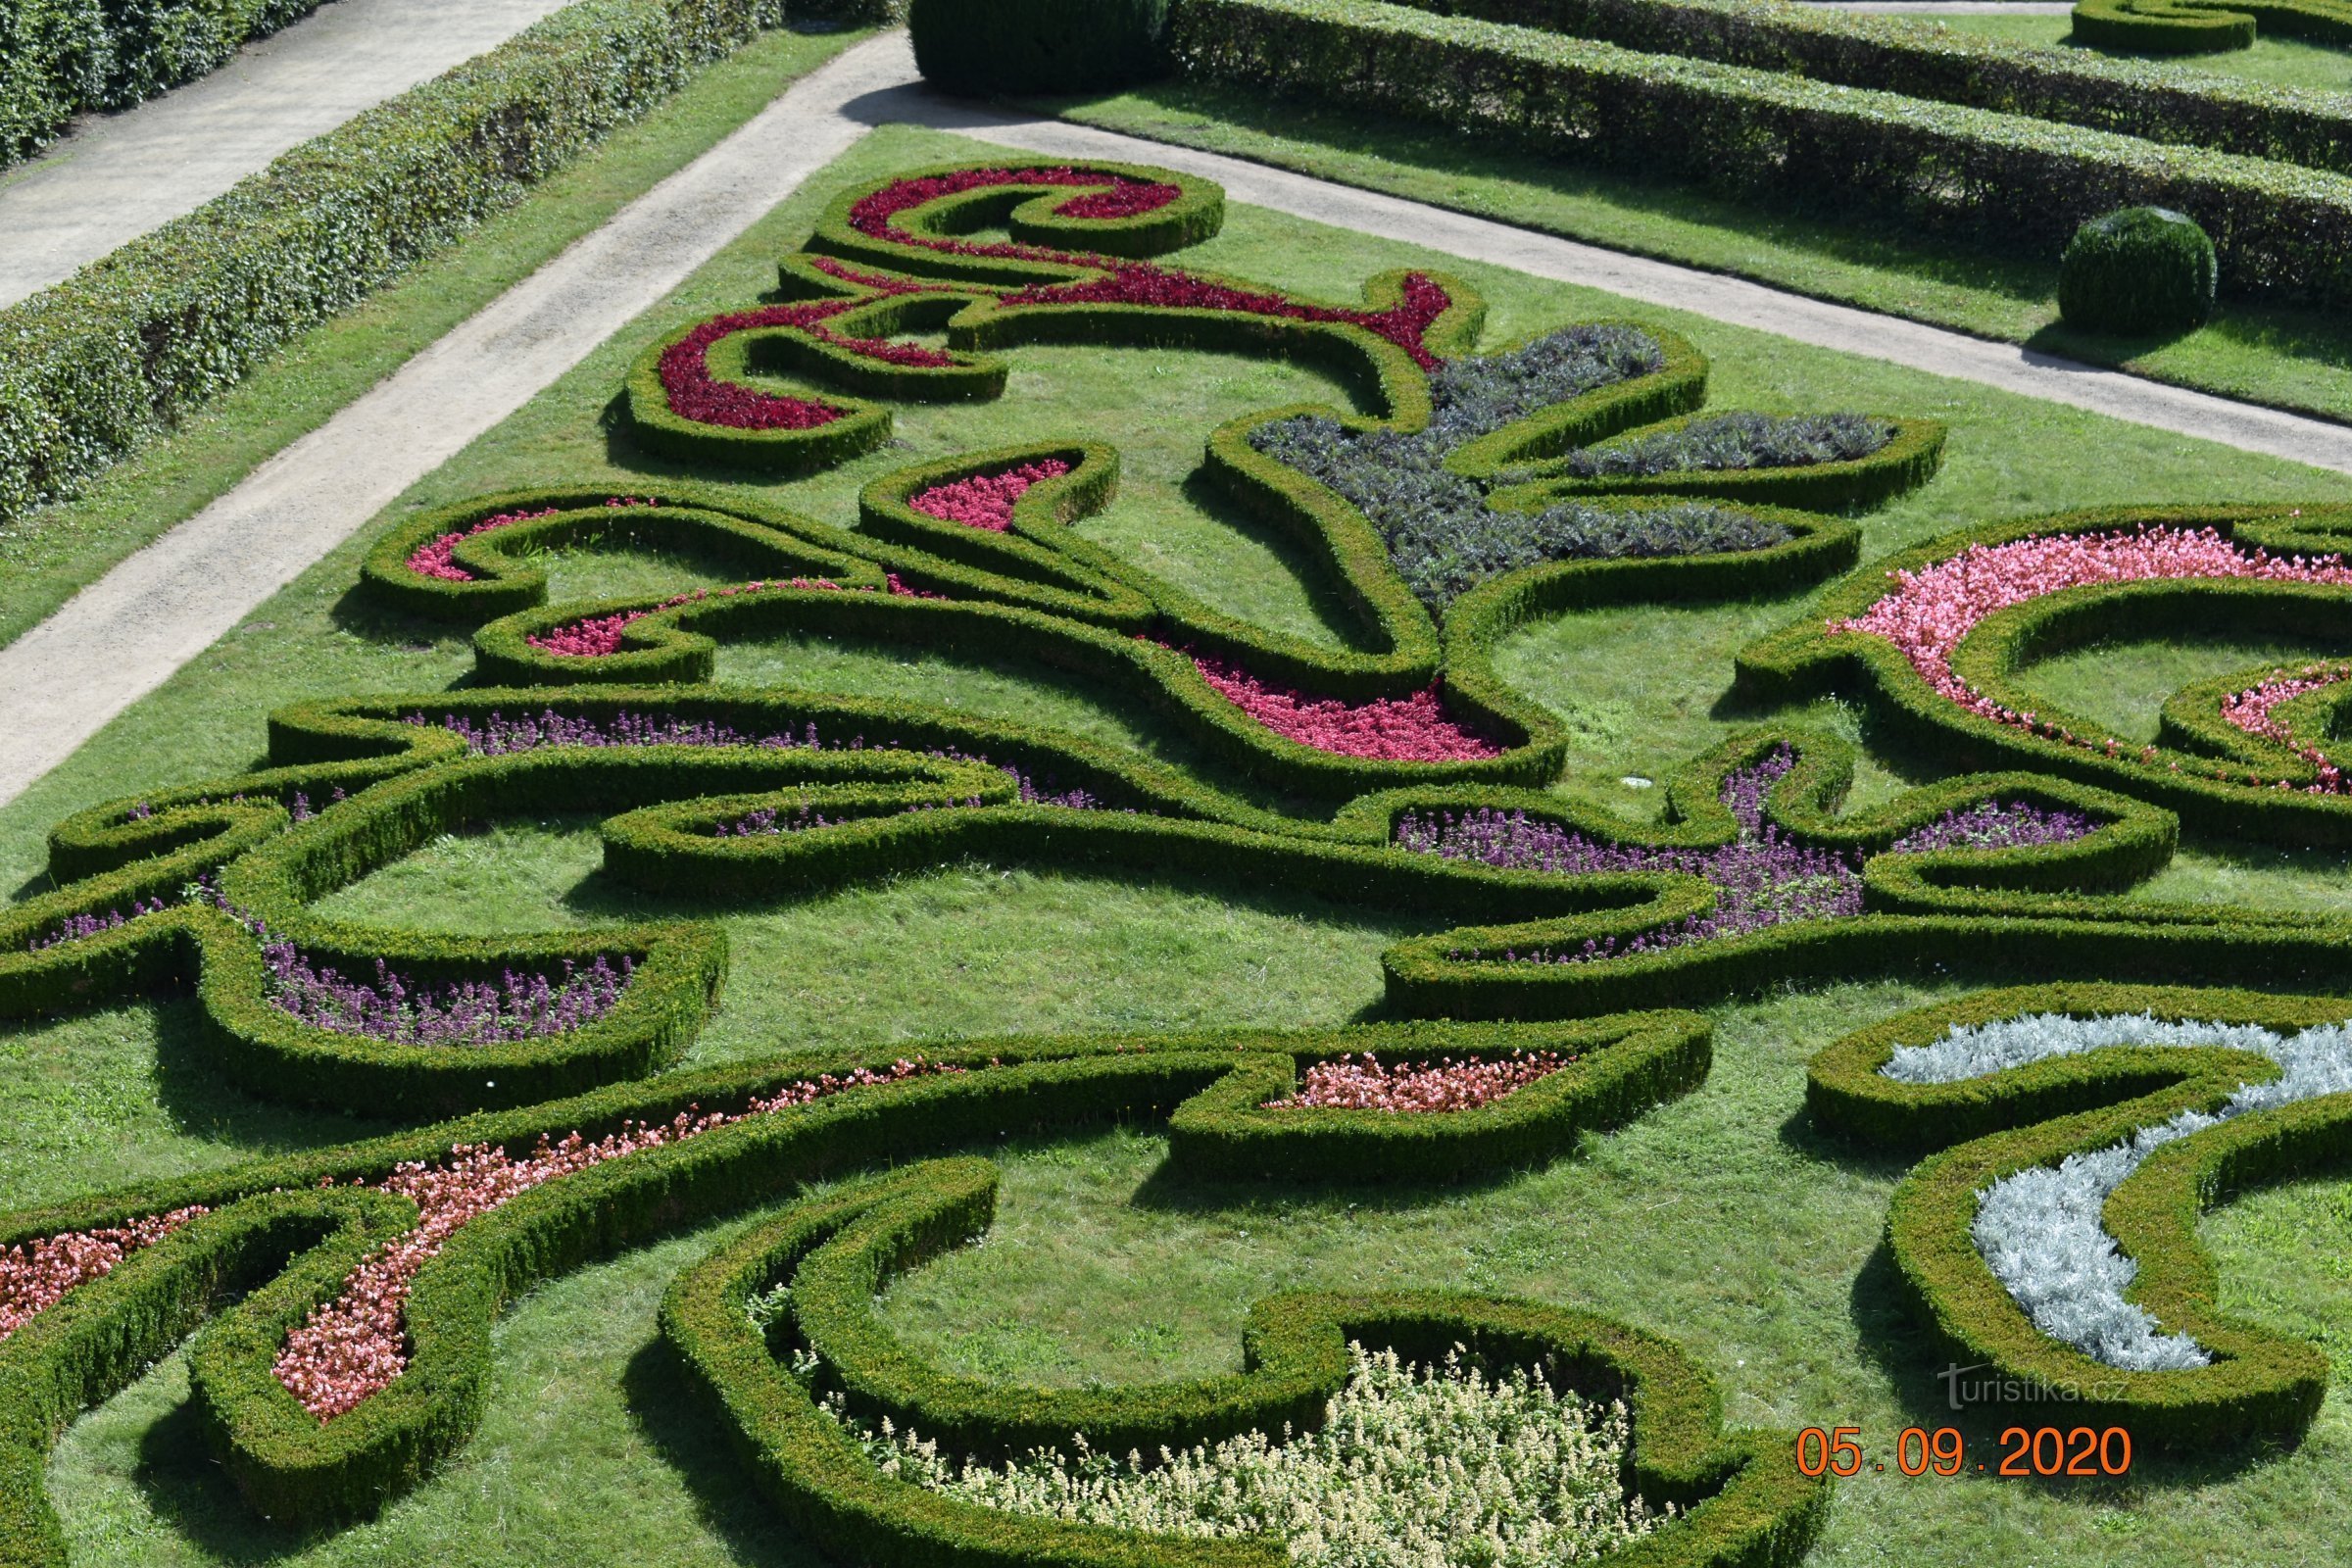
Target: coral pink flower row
432	558
600	635
33	1275
356	1345
986	500
1932	611
1396	730
1366	1083
2251	710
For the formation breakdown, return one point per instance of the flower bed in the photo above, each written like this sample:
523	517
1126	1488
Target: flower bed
1739	440
985	501
356	1345
1396	729
1411	1464
1366	1083
1762	877
35	1275
1439	531
1933	610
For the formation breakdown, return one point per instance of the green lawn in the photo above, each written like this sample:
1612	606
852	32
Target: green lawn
2275	62
1723	1220
2291	359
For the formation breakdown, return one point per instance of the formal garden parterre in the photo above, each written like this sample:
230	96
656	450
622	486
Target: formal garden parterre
494	1103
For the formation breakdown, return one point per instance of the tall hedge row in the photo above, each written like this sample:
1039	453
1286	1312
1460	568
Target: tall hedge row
126	347
1924	59
59	58
2001	179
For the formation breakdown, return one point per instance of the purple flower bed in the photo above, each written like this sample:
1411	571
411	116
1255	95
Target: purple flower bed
465	1012
77	926
1762	877
500	736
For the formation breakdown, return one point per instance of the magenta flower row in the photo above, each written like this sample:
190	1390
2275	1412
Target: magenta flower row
34	1275
986	500
1398	729
1761	879
432	558
356	1345
1933	610
1366	1083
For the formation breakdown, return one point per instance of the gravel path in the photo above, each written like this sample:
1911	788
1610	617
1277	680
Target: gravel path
116	177
165	605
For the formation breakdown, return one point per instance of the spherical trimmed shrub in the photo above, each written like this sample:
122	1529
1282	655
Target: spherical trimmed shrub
2141	269
985	47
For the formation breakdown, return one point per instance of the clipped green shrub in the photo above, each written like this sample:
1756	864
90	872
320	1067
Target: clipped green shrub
987	47
2140	270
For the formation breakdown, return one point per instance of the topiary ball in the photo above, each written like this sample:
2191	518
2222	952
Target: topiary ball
986	47
2141	269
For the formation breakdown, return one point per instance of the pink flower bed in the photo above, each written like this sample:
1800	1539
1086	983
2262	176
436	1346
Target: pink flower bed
2250	711
912	356
1932	611
1396	729
986	500
600	635
1366	1083
34	1275
431	559
356	1345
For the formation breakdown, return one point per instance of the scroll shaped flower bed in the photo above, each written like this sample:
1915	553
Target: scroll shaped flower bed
1941	634
2079	1132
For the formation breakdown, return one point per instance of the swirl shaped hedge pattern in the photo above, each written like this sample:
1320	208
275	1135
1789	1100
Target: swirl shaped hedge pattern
1576	469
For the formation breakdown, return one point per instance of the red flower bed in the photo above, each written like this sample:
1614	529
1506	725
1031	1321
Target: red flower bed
693	395
986	500
1117	197
432	558
1394	729
1140	283
881	348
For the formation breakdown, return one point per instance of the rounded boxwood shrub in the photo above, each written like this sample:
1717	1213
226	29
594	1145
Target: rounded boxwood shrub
985	47
2141	269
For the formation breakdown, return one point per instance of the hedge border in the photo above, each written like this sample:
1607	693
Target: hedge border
1746	1505
2017	183
293	1467
105	362
1805	657
2260	1386
1909	460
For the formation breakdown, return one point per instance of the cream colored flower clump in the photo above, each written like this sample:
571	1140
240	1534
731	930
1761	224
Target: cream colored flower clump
1413	1467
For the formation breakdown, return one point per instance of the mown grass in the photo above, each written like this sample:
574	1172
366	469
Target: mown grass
2286	358
1724	1220
52	553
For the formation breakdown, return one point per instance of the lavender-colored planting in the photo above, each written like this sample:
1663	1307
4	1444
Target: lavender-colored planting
1761	879
464	1013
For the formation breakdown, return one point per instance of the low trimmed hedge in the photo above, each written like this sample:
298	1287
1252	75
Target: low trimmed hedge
60	58
1743	1501
1806	658
1920	58
2260	1385
2000	179
103	362
2163	26
295	1469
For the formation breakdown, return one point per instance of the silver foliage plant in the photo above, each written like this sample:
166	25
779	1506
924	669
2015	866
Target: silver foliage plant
2039	1230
